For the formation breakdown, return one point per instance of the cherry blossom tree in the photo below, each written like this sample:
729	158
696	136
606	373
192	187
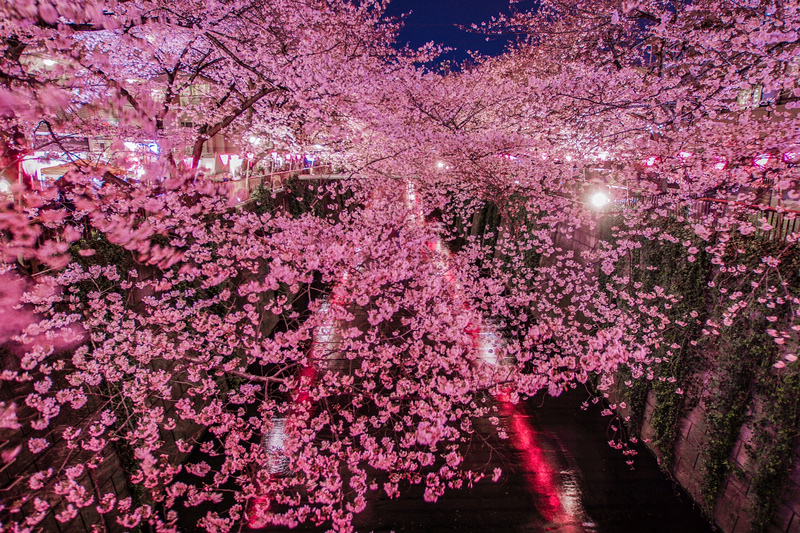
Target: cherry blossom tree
285	360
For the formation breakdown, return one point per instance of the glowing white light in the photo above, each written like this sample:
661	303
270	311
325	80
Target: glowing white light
721	163
440	164
603	155
255	140
48	62
685	155
651	161
761	160
569	158
599	199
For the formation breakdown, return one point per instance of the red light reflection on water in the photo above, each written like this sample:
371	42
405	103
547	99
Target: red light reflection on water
542	473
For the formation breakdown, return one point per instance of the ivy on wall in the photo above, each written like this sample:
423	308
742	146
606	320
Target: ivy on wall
776	432
744	375
660	260
736	349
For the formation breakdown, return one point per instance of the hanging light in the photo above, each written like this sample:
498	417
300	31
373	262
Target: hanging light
599	199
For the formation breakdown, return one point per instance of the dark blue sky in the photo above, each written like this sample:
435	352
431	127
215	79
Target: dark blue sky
435	20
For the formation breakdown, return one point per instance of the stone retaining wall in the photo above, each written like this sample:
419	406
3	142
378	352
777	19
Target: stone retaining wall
731	511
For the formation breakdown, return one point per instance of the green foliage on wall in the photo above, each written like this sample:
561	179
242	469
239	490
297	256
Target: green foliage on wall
660	262
743	375
737	352
776	432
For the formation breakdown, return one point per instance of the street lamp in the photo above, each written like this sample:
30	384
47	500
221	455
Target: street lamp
599	199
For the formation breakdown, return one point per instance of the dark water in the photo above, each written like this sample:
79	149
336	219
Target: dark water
560	475
617	499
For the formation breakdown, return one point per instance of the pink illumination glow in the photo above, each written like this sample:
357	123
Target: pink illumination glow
256	508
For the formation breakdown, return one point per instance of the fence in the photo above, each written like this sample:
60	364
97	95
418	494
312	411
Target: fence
784	221
242	188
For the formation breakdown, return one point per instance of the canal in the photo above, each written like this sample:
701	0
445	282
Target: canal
559	475
559	472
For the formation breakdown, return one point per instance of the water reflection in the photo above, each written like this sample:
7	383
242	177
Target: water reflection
557	491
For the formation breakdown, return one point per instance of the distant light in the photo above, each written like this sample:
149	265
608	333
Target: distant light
48	62
686	155
599	199
440	164
651	161
569	158
791	157
603	155
255	140
721	163
761	160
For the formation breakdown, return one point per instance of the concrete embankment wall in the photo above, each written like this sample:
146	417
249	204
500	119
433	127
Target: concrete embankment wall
732	508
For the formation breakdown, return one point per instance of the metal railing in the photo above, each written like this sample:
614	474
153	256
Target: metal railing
784	221
274	181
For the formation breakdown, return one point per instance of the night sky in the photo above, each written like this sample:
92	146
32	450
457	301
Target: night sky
435	20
